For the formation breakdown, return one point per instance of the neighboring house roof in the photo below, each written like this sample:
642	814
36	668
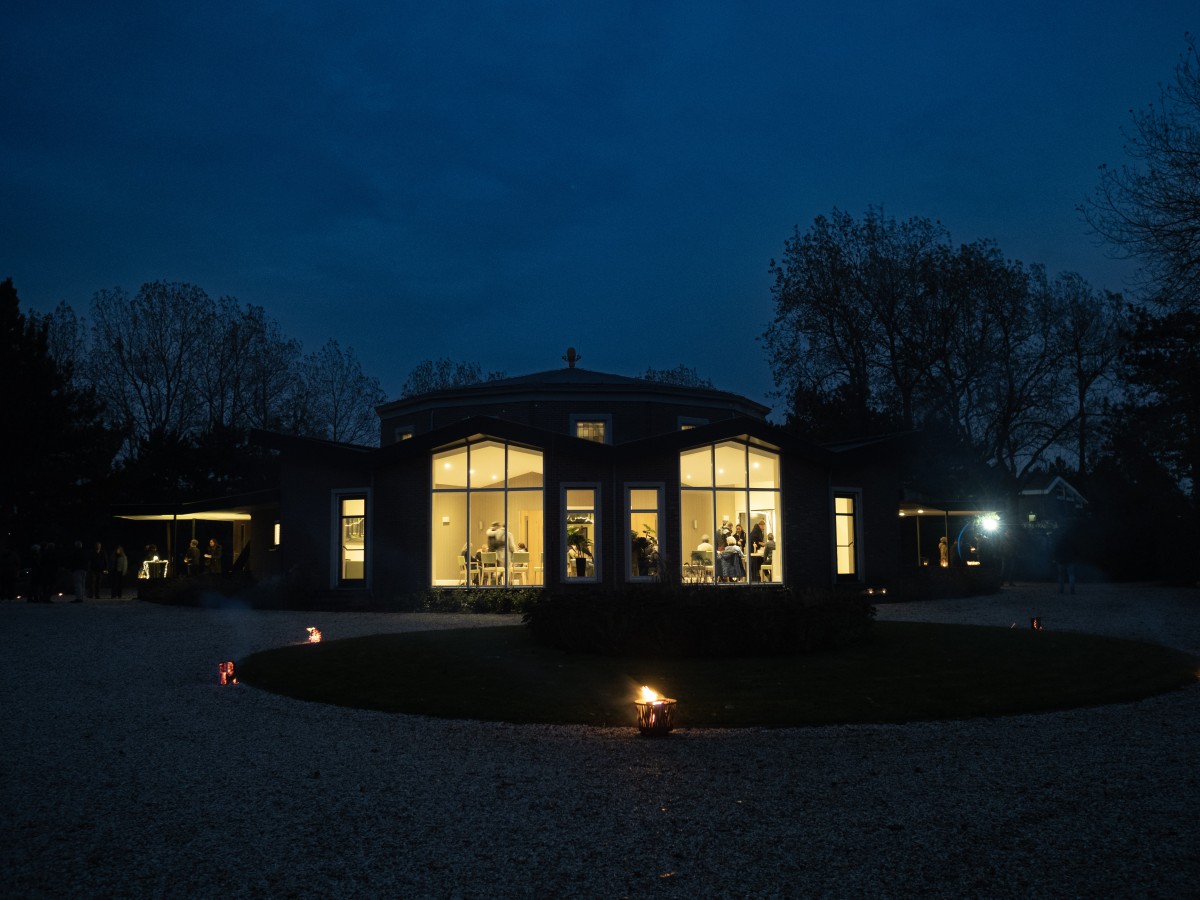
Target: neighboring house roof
574	382
1058	487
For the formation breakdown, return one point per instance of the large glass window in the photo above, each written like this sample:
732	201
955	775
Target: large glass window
352	539
643	504
730	490
487	515
581	534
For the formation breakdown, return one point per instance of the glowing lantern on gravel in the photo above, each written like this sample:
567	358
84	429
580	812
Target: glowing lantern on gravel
314	635
225	672
656	713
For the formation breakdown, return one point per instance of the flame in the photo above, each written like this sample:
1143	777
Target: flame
226	672
314	635
649	695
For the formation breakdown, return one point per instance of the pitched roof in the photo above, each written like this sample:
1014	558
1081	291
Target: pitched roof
575	381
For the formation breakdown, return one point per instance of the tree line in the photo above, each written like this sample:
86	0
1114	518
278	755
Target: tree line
1003	371
885	325
151	397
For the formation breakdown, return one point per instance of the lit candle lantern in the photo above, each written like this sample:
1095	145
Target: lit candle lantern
656	713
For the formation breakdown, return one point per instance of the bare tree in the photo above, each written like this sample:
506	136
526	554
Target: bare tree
681	375
1088	339
338	402
147	351
1150	209
855	312
881	324
439	375
66	340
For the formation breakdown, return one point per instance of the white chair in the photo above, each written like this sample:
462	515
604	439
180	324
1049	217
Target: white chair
520	568
489	567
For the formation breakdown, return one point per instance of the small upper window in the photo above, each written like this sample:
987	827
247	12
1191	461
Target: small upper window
596	428
402	433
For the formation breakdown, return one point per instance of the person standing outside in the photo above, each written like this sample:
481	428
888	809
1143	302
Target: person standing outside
214	557
193	564
119	570
97	569
79	570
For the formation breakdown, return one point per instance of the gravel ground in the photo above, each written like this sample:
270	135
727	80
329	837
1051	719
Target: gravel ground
128	772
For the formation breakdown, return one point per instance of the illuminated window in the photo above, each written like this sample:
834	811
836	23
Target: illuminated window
402	433
486	515
581	533
722	486
846	535
596	428
352	539
644	505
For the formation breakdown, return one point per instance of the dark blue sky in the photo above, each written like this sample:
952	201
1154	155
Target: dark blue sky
495	181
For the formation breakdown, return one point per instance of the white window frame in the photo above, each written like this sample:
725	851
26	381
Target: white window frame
660	488
335	549
748	492
535	575
597	536
856	495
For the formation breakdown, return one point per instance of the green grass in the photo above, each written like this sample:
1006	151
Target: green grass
904	672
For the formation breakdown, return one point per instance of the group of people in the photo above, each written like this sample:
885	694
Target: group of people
197	563
91	570
734	547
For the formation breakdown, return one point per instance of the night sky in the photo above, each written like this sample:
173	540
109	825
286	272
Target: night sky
495	181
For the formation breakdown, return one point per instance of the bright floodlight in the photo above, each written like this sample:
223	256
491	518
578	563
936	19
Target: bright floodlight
990	523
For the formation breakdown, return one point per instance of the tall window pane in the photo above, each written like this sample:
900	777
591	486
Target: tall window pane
844	529
582	534
643	532
353	539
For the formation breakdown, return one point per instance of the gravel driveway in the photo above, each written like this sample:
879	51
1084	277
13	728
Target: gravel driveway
128	772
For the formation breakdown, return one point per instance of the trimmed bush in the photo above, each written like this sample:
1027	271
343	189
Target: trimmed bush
696	621
484	600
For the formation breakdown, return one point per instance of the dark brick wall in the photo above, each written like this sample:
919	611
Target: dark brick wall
305	517
631	420
807	544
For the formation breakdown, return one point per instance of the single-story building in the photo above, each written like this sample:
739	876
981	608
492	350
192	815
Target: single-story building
578	477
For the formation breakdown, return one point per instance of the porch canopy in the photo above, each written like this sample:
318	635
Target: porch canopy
233	508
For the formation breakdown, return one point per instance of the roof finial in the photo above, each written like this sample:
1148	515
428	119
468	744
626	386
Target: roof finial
572	357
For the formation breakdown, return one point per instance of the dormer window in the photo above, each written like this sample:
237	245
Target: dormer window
596	428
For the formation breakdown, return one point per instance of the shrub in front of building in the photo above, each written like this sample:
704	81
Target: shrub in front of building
691	621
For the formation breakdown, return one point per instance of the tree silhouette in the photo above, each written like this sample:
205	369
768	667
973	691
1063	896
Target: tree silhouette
1149	209
57	452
